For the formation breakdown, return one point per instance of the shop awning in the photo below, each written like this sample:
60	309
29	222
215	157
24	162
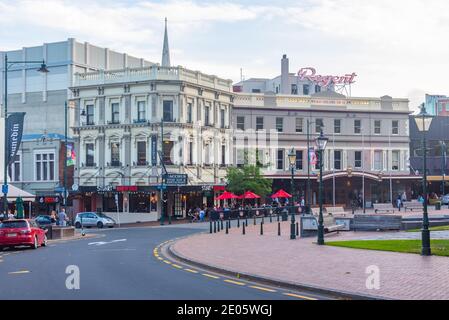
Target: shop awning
14	193
437	178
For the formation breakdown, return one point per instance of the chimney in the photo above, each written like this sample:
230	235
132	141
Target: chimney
284	75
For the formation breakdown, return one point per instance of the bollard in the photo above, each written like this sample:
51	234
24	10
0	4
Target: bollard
297	229
279	228
261	229
238	222
246	221
210	226
215	227
271	219
243	229
227	229
255	223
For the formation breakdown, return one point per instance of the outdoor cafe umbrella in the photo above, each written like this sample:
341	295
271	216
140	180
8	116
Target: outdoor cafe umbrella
250	195
281	194
227	195
19	208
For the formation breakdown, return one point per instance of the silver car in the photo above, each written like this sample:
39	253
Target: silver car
445	199
93	219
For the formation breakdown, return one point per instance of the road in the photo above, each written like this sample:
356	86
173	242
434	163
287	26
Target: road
122	264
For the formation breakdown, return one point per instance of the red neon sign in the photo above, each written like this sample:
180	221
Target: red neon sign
324	81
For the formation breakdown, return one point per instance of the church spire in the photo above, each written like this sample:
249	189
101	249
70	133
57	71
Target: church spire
166	50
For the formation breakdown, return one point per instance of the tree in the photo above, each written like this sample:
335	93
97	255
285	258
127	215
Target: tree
248	178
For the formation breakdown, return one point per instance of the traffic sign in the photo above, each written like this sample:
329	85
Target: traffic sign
5	188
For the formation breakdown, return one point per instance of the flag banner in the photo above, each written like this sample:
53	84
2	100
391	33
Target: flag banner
154	150
14	131
312	156
70	156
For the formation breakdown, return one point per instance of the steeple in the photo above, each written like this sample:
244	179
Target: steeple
166	50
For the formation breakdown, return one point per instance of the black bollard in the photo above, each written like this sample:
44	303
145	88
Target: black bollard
261	229
227	228
297	228
210	221
255	220
243	229
218	226
238	222
215	227
271	219
279	228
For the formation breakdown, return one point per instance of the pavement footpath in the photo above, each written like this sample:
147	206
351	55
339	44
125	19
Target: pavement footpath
303	263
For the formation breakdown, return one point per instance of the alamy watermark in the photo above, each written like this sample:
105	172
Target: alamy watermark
373	280
72	282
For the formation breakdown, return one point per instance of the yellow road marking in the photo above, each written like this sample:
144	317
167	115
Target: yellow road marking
167	262
19	272
160	258
234	282
210	276
298	296
176	266
192	271
262	289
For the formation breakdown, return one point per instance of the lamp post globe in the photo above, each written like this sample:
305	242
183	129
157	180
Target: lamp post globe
423	121
321	143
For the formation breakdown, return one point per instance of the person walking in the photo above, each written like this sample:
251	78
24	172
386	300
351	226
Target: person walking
399	202
62	217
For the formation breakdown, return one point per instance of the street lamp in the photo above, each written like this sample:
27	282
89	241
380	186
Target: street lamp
423	121
7	64
321	143
292	160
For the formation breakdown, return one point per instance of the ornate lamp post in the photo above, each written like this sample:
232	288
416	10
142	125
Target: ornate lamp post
423	121
292	161
321	143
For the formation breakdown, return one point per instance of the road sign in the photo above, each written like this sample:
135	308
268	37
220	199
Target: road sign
5	188
174	179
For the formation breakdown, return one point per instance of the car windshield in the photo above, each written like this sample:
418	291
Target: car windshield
101	215
13	224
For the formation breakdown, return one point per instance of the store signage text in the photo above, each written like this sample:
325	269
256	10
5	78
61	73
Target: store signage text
324	81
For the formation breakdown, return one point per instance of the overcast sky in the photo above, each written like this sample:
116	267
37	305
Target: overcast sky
397	47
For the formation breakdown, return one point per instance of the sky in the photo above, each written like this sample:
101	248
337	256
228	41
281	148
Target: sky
399	47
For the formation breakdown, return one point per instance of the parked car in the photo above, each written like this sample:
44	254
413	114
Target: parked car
44	221
445	199
21	232
93	219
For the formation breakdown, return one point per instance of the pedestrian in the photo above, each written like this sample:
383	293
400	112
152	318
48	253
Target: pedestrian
399	202
202	215
404	198
62	217
10	215
53	217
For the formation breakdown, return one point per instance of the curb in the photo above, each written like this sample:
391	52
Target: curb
270	281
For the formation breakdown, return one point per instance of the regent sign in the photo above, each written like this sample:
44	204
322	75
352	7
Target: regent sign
324	81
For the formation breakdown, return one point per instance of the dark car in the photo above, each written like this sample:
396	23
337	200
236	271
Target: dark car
45	221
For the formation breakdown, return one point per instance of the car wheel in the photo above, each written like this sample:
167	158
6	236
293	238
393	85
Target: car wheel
44	242
78	225
35	244
100	225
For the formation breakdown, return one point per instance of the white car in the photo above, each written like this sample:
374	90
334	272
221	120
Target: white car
93	219
445	199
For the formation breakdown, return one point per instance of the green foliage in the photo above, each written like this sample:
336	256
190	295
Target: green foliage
248	178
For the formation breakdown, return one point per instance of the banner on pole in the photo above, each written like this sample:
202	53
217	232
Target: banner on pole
14	131
312	156
70	156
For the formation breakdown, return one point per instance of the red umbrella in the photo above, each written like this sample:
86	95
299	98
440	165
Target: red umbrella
250	195
281	194
227	195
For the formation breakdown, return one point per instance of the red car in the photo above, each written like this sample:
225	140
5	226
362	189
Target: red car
22	232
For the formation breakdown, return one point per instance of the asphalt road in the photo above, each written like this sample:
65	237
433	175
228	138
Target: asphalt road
119	264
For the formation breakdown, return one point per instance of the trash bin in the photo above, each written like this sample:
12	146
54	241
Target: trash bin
438	206
284	215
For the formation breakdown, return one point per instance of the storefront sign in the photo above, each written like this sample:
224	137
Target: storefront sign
108	188
324	81
175	179
126	188
153	150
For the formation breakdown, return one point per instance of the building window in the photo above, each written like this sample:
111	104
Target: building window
115	113
377	126
241	123
222	118
319	125
299	159
259	123
337	159
190	155
115	154
280	124
306	89
90	115
395	127
141	153
141	111
223	154
45	166
14	169
395	160
168	111
280	159
90	155
206	115
294	89
378	161
357	126
317	88
167	151
299	125
358	159
255	90
189	113
337	126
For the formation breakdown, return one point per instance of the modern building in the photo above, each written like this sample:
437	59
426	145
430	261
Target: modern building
142	121
40	161
368	148
437	139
